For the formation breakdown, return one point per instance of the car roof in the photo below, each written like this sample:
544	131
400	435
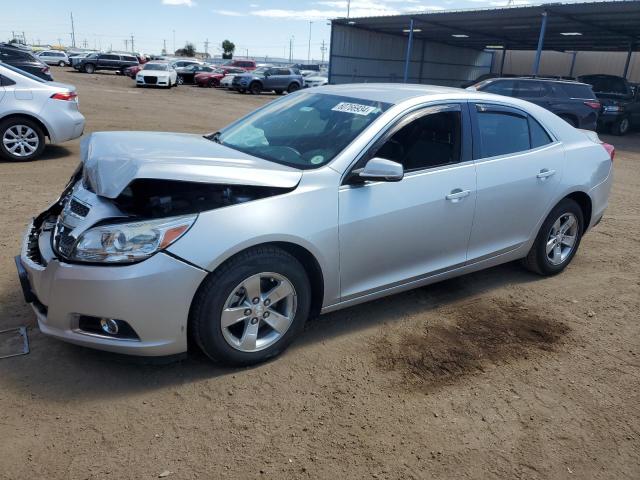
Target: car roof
389	92
539	79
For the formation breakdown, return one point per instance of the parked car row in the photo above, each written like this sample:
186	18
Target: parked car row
602	102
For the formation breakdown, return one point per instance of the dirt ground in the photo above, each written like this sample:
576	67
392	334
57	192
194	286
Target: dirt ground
499	374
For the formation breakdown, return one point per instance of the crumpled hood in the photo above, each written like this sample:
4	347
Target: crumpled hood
113	159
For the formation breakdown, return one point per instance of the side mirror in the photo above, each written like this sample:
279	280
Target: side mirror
381	170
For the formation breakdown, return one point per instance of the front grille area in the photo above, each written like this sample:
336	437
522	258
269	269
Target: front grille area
78	208
150	80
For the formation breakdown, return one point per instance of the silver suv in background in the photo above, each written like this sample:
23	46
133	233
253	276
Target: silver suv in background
32	109
54	57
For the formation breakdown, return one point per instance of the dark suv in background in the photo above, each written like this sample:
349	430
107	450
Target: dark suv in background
106	61
24	60
620	102
572	101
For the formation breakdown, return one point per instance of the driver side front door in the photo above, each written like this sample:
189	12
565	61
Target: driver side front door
395	233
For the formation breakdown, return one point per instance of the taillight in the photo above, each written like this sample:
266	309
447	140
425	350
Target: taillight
611	150
68	96
594	105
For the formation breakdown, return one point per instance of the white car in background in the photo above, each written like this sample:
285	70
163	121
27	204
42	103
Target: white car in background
155	74
54	57
32	109
317	80
227	80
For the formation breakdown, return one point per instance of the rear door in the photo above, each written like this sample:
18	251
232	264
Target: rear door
519	166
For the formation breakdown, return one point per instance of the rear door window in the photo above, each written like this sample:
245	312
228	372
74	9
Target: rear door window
502	132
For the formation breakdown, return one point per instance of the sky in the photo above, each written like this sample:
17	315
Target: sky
257	27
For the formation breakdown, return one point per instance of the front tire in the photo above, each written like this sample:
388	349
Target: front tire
61	63
21	140
180	80
252	307
89	68
557	241
255	88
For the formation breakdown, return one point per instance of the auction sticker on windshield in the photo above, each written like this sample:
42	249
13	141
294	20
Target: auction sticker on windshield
353	108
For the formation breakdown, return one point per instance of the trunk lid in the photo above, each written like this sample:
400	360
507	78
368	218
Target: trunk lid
113	159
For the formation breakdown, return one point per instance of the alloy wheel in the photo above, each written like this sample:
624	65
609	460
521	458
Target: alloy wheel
624	125
562	238
258	312
20	140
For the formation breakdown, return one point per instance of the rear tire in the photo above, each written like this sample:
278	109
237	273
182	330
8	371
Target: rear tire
89	68
211	83
550	253
621	127
61	63
180	80
293	87
29	139
229	288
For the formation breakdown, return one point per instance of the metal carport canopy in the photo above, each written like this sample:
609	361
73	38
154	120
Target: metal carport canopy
600	26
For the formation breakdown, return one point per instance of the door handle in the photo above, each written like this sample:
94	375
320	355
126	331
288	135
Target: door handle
545	173
458	194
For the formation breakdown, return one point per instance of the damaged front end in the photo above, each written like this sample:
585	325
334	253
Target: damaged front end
122	208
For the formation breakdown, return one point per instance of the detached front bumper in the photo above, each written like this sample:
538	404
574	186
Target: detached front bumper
153	297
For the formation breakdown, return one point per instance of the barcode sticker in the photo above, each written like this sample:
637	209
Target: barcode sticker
353	108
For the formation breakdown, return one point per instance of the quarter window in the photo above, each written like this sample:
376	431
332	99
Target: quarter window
539	136
502	133
429	141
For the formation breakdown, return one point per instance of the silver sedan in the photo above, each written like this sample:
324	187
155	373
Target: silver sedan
32	109
320	200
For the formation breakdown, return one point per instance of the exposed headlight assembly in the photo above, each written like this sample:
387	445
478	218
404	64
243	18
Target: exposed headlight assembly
129	242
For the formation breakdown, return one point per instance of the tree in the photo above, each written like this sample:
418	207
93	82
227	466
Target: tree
228	48
189	50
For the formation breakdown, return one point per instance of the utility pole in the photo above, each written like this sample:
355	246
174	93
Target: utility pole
323	49
73	32
174	41
309	49
132	49
164	46
206	48
126	45
349	7
84	44
59	42
247	54
291	49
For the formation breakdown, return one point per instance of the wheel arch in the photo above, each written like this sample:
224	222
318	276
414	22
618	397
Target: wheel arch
586	205
308	261
28	116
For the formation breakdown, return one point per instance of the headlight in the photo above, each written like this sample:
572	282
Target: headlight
129	242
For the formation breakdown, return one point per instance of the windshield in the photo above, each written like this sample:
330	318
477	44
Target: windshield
603	84
261	70
155	66
303	131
